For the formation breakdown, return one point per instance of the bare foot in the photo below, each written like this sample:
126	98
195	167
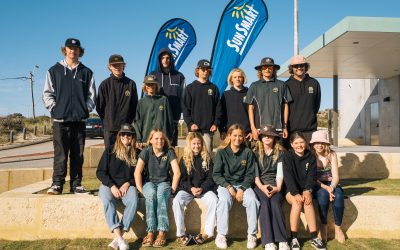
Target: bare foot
339	235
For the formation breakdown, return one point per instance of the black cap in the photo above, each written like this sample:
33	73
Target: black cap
72	42
203	63
114	59
150	79
127	128
267	61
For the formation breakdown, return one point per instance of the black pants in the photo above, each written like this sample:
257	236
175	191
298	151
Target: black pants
272	220
68	140
109	138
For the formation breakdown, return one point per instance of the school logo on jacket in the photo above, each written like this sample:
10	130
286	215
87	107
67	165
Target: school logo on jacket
243	163
164	158
210	92
310	90
127	93
275	90
134	162
161	107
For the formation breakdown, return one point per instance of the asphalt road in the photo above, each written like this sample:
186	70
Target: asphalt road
33	156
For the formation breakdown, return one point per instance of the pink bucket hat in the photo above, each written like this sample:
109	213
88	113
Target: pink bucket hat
298	59
320	136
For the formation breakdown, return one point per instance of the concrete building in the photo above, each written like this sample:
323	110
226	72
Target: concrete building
362	56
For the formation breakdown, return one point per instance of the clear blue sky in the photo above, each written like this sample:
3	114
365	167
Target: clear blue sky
32	32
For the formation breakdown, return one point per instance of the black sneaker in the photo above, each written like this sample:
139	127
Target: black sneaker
54	190
295	244
79	190
317	243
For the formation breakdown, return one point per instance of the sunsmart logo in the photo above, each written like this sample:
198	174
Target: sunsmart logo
179	41
248	16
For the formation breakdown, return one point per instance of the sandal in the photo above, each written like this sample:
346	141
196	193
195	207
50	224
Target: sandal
184	239
160	240
148	240
200	239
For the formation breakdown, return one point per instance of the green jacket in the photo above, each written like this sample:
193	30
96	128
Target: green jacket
153	112
234	168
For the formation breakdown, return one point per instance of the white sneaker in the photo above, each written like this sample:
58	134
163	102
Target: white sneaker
284	246
251	241
220	241
122	244
114	244
270	246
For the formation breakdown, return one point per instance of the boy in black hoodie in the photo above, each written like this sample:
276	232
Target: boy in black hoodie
117	99
306	93
200	104
172	83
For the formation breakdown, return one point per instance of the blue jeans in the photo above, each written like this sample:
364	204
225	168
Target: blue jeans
130	200
182	199
156	196
322	197
225	202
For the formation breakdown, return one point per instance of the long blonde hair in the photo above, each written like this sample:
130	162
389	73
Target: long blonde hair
227	140
167	144
125	153
188	153
277	149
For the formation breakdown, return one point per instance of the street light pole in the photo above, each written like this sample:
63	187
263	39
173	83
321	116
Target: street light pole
296	30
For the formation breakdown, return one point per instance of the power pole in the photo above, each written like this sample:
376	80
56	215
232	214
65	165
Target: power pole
296	29
30	78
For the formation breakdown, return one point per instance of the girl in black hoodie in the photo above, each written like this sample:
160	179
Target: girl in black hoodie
300	175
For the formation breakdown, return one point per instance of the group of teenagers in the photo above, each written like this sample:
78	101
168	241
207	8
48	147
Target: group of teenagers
251	165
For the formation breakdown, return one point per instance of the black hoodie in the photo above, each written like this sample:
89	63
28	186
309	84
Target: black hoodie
303	109
234	109
299	172
172	84
116	102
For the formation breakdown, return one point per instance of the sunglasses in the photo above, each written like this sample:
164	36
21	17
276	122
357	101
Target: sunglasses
296	66
126	134
270	67
205	69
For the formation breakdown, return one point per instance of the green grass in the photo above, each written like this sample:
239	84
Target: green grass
82	244
353	187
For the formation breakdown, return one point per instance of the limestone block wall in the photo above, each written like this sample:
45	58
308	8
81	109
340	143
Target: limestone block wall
27	216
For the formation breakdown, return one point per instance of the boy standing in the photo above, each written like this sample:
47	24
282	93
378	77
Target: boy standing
200	104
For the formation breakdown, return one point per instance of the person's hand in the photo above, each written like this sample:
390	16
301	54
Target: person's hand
273	190
331	196
213	128
139	145
248	137
199	191
173	189
298	198
307	197
285	133
194	128
232	191
327	188
254	133
115	191
239	195
124	189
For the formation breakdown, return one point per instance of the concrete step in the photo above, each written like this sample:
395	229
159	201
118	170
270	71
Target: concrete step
28	216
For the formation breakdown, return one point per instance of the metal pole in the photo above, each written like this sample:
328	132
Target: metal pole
33	100
24	133
296	29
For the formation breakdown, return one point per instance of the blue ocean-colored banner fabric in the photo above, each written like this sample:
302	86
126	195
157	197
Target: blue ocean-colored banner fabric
179	37
240	24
